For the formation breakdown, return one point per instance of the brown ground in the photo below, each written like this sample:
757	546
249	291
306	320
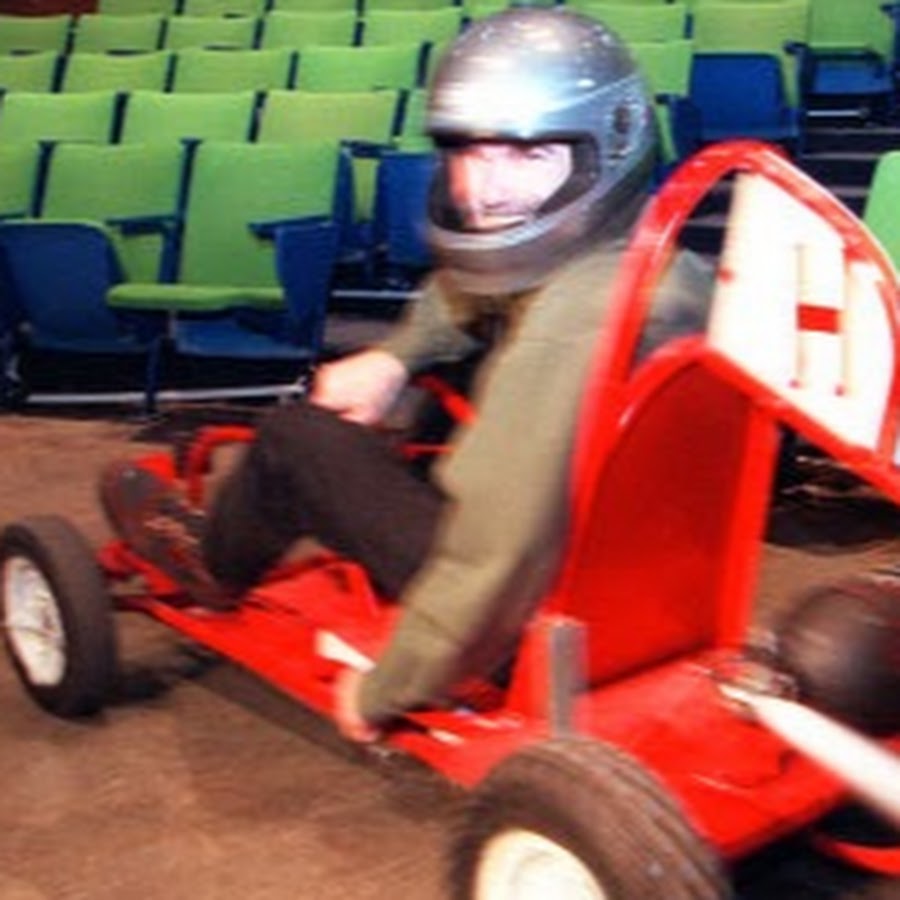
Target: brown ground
200	784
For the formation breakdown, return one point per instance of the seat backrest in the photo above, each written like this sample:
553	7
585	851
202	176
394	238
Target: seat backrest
313	6
411	135
238	32
223	7
666	67
100	32
137	7
85	71
405	26
641	22
339	115
296	30
862	24
372	5
26	116
754	27
202	70
156	115
369	116
883	203
18	178
28	71
107	183
360	68
29	34
236	184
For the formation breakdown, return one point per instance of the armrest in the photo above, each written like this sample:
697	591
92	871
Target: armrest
269	230
366	149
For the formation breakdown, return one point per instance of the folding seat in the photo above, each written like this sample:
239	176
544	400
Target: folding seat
728	109
366	121
31	34
131	189
641	22
137	7
479	9
298	30
102	219
29	71
361	68
226	294
155	115
851	49
223	7
402	254
666	66
237	32
202	70
27	116
774	28
395	26
882	203
149	71
102	32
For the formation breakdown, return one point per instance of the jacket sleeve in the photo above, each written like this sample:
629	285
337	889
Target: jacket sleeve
434	330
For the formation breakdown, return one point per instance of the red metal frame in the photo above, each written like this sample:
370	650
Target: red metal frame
671	478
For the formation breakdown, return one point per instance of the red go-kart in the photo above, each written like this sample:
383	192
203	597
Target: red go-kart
642	742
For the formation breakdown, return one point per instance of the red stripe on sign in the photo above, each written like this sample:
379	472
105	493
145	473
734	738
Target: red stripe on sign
818	318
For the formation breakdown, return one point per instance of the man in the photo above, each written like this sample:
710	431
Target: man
546	145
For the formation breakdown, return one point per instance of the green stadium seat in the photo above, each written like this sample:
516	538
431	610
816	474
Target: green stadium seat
117	71
130	189
360	68
239	193
31	34
27	116
223	7
754	27
395	26
137	7
102	32
882	203
155	115
417	5
29	71
851	49
365	120
313	6
237	32
297	30
198	69
639	21
666	66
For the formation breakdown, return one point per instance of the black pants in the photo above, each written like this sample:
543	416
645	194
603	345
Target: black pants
310	473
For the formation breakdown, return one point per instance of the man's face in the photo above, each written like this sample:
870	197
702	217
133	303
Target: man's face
497	184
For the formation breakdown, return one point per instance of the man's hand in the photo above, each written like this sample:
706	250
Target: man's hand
360	388
346	708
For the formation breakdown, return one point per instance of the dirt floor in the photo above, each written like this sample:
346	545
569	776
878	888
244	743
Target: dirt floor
199	783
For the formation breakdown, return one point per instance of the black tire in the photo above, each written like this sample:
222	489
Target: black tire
50	575
594	802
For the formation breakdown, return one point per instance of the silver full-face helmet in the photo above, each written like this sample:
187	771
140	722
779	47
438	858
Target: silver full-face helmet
541	75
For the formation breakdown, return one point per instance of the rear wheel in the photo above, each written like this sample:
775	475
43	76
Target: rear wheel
580	820
58	622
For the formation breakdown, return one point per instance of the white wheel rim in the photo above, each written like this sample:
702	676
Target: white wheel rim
33	622
524	865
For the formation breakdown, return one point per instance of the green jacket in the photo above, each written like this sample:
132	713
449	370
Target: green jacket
499	542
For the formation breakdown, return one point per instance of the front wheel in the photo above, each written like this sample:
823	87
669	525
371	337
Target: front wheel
579	820
57	616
